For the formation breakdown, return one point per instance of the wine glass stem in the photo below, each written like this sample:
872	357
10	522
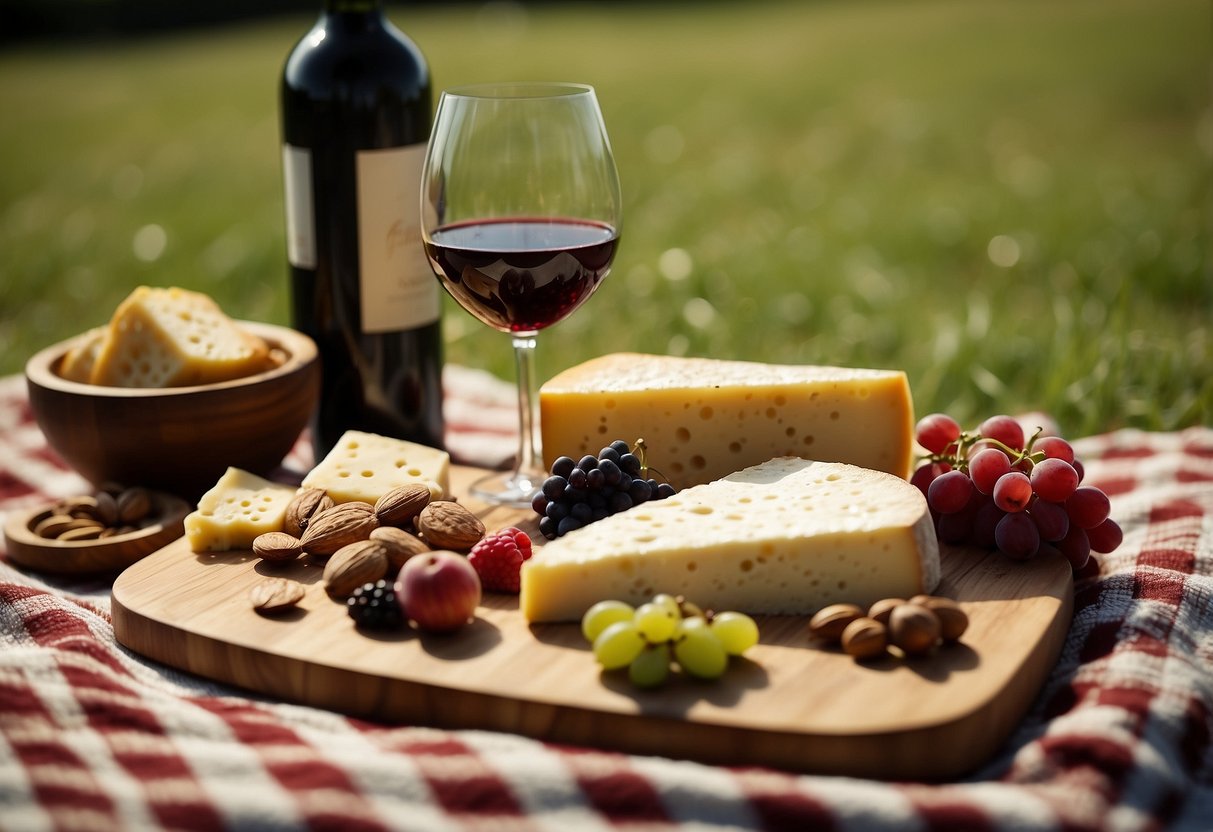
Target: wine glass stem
528	440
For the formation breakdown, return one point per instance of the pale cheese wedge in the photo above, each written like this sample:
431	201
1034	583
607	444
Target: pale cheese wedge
704	418
235	510
365	466
787	536
174	337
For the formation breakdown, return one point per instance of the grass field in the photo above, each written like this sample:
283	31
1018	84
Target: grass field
1010	201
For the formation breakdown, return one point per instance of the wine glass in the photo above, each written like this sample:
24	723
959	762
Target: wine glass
520	213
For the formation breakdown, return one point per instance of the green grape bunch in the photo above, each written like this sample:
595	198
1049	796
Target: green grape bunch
663	633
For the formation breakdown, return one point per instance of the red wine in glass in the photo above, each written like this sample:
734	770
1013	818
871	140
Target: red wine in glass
522	274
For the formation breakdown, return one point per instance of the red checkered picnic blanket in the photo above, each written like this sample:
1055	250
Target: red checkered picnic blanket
94	737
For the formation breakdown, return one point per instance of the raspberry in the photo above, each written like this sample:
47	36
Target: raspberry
498	559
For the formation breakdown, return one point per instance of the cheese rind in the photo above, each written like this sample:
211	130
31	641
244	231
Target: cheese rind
235	510
704	418
788	536
173	338
365	466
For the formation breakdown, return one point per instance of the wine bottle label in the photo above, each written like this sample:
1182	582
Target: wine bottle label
399	290
300	218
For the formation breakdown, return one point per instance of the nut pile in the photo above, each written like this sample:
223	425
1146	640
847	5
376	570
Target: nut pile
113	510
360	543
915	626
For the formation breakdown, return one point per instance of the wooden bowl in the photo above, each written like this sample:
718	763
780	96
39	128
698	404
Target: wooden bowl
179	439
111	554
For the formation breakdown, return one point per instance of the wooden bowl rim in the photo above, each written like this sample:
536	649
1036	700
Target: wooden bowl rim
300	349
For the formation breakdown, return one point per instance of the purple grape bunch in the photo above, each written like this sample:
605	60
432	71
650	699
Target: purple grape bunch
580	492
994	489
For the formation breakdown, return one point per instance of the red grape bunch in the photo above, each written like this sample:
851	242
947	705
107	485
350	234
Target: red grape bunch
991	488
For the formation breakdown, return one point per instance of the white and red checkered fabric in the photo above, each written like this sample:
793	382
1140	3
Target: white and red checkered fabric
93	737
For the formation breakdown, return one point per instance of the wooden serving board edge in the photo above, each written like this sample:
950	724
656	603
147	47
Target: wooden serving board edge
892	754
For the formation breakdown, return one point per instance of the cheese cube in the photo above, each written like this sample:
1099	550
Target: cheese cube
365	466
235	510
787	536
702	418
172	338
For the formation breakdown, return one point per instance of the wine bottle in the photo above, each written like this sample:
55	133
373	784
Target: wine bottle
356	110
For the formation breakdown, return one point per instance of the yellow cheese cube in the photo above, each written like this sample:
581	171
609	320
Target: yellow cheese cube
787	536
365	466
235	510
703	418
174	337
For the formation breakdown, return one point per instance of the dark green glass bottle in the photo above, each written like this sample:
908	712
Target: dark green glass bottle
356	110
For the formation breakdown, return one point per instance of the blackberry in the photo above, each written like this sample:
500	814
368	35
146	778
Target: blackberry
374	606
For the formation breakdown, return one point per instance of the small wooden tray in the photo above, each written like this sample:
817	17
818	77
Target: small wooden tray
789	704
80	557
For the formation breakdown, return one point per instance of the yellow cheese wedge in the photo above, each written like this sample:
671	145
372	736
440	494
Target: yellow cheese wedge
174	337
365	466
235	510
79	361
787	536
702	418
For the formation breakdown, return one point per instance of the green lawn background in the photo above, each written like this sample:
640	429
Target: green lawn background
1008	200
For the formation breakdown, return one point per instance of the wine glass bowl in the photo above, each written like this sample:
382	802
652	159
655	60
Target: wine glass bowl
522	275
520	214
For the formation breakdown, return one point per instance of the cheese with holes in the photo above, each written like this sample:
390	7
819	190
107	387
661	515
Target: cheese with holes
235	510
173	338
365	466
703	418
80	360
787	536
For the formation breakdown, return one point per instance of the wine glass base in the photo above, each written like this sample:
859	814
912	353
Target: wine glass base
508	488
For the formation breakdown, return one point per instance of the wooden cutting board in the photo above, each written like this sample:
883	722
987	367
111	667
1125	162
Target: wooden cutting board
788	704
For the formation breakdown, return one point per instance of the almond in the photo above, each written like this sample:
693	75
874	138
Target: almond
448	525
354	565
402	504
84	506
865	638
107	508
54	525
953	621
914	628
275	595
88	530
829	622
134	504
302	507
883	608
277	546
399	545
338	526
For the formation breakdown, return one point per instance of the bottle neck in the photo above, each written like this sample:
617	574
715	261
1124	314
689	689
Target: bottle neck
355	6
355	14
